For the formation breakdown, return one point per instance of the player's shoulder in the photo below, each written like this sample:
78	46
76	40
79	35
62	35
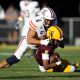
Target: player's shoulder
42	48
33	24
36	20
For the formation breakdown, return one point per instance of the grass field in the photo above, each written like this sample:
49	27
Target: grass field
27	68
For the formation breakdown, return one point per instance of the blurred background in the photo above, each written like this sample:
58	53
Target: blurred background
67	11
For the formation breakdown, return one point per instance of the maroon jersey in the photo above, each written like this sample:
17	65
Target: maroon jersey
41	50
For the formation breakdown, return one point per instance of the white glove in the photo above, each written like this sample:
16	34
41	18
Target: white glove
61	39
58	63
44	42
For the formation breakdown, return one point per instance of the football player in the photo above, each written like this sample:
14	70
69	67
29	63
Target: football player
34	27
29	9
47	59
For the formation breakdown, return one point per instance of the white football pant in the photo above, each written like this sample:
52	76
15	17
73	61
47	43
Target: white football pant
23	45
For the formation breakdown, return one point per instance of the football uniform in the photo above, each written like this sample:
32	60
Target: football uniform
65	66
41	50
39	55
36	25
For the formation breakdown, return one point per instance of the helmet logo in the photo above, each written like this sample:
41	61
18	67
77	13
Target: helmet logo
43	13
52	32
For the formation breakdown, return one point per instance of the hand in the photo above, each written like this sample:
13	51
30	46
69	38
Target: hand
58	63
44	42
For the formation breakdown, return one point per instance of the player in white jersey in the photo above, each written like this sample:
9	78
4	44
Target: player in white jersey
29	9
37	26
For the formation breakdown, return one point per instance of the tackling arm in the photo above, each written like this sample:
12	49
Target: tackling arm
46	61
47	65
31	38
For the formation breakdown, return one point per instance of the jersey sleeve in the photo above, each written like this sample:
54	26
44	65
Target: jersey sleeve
45	55
33	25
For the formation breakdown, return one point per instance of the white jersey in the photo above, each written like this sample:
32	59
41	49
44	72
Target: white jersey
36	25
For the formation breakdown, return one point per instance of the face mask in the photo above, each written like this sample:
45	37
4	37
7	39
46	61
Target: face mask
54	22
54	42
47	23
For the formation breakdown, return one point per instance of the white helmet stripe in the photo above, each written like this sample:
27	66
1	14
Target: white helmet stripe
51	12
53	15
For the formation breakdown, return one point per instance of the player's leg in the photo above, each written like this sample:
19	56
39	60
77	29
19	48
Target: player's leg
68	67
41	68
33	48
16	56
71	68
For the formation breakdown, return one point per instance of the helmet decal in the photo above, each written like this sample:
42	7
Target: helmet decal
51	12
47	13
54	32
59	31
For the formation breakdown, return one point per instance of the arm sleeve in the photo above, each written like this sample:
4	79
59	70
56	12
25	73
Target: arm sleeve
32	25
45	56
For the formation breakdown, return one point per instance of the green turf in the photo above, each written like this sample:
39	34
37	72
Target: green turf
27	68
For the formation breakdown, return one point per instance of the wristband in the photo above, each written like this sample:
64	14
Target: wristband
58	63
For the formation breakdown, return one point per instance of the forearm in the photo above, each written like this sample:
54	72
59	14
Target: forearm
33	41
49	66
31	38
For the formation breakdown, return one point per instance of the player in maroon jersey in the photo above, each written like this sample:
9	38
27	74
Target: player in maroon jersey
48	59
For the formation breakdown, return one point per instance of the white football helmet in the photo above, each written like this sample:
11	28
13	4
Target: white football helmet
48	17
47	13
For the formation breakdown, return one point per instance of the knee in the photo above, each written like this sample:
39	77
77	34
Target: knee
11	60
